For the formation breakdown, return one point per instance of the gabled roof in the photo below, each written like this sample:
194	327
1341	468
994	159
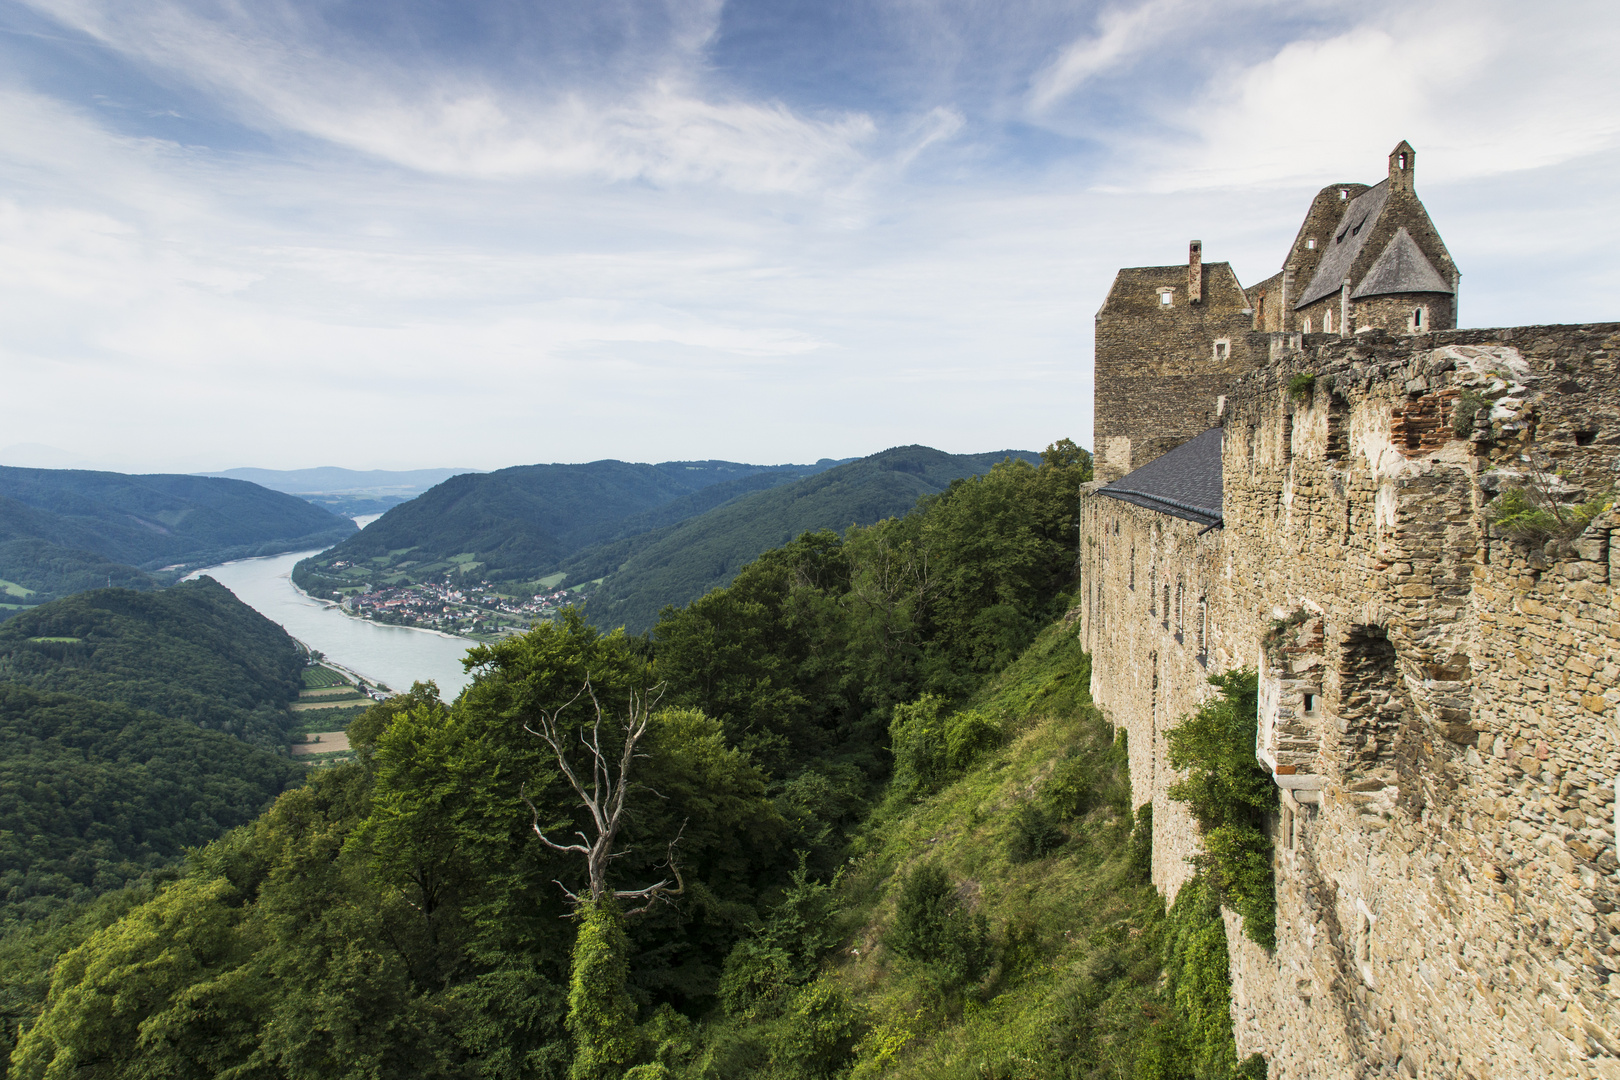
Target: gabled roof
1349	236
1185	483
1401	268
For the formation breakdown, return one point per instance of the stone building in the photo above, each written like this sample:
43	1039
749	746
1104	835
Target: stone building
1440	701
1170	338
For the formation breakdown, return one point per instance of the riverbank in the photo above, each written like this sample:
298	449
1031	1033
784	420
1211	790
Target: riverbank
377	653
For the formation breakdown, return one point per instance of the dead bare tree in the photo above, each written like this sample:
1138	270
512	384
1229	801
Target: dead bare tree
604	799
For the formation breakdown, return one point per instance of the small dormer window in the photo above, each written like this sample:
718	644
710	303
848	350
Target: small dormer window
1344	193
1164	297
1310	243
1223	349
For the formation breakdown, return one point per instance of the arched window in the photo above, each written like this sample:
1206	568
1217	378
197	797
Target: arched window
1420	320
1327	321
1307	324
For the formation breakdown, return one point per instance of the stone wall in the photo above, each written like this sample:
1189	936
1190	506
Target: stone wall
1161	368
1148	622
1440	702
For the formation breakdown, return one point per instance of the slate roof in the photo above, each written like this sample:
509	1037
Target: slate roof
1349	236
1401	268
1185	483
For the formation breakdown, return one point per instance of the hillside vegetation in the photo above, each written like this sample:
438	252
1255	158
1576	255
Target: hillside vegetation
133	725
514	523
680	562
889	833
156	520
193	652
34	572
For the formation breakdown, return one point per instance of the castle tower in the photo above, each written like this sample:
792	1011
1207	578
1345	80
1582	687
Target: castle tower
1169	340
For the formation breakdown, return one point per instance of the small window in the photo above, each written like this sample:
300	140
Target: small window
1310	243
1327	321
1344	193
1307	324
1311	700
1222	349
1420	320
1164	297
1402	160
1287	829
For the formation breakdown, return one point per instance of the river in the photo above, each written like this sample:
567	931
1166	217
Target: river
395	656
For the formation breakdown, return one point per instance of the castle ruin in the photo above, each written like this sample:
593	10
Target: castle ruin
1303	479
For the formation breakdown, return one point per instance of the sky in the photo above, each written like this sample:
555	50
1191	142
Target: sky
480	233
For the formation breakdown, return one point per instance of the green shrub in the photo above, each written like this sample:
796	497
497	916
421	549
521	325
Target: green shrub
1035	834
1196	1041
1230	795
917	739
969	734
1142	843
1470	403
932	927
819	1036
760	971
1536	518
1301	385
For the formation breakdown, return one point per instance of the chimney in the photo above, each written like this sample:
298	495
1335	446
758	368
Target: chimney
1402	167
1195	271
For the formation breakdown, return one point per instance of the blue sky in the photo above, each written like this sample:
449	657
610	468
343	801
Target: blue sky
410	234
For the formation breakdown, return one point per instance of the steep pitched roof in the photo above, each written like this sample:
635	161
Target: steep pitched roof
1185	483
1355	227
1401	268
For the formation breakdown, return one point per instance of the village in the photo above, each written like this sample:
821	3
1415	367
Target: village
477	610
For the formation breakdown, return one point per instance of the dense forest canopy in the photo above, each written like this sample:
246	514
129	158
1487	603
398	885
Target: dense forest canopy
903	843
34	572
159	519
193	652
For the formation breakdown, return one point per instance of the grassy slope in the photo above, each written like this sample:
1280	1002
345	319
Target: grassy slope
1078	930
1092	978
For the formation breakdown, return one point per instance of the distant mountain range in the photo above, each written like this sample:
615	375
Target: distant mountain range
62	530
349	492
646	535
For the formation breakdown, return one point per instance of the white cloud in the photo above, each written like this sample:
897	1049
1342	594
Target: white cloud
1479	87
276	74
1123	34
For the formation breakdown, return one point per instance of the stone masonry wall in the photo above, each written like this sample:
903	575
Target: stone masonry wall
1147	622
1440	701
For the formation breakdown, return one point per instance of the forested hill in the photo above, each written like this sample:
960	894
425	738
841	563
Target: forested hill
36	572
905	844
134	725
192	652
680	562
68	529
518	523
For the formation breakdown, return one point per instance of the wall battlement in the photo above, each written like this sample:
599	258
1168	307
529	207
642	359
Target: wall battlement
1440	700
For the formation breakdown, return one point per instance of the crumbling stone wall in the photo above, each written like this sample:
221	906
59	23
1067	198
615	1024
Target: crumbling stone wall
1447	880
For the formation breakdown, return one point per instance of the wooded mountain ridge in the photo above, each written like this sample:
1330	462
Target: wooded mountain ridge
62	530
658	534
